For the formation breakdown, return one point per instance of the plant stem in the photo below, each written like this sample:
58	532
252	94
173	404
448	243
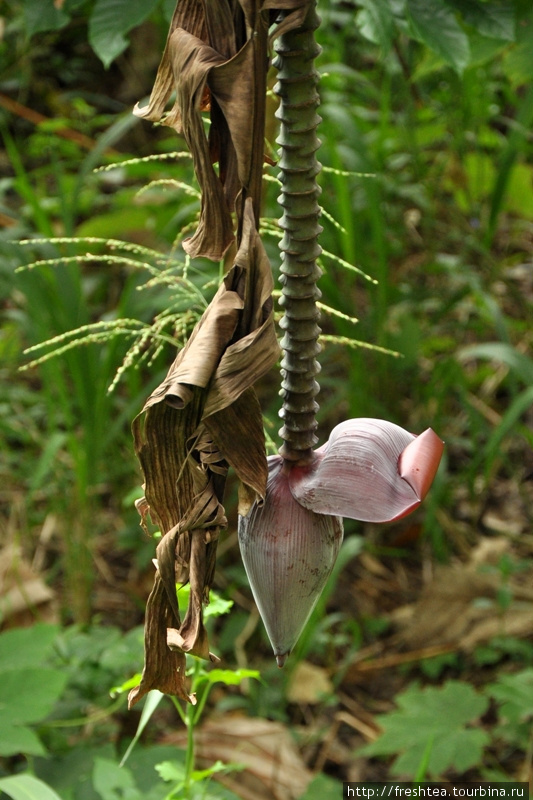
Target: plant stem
297	90
190	723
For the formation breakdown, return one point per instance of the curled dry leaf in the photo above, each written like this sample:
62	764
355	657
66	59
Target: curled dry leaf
216	59
205	416
202	418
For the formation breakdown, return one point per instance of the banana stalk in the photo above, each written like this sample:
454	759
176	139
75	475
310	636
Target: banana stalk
369	469
297	89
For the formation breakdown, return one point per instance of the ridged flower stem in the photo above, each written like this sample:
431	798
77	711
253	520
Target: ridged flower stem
297	90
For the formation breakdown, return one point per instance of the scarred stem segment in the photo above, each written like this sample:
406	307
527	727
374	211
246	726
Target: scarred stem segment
297	90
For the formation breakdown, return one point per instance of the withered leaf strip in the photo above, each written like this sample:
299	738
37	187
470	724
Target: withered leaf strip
203	417
216	59
163	670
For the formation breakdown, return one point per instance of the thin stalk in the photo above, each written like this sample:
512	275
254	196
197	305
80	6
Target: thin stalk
297	89
190	720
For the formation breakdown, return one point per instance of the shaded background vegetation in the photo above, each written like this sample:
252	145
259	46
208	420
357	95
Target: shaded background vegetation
428	189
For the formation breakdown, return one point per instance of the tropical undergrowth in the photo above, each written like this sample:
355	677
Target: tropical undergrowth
426	190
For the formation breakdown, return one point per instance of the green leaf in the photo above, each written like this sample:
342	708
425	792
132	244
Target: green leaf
22	647
70	772
515	694
112	782
199	775
376	22
439	714
495	20
324	787
26	787
518	407
15	739
42	15
518	62
127	685
436	26
153	699
111	20
28	695
216	607
171	771
230	677
503	353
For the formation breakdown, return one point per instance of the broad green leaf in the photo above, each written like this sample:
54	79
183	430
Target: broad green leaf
518	62
435	24
111	20
376	22
23	647
28	695
43	15
26	787
70	772
15	739
495	20
218	606
112	782
168	7
441	714
484	49
515	693
113	223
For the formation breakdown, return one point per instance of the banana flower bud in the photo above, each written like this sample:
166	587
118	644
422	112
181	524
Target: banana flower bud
370	470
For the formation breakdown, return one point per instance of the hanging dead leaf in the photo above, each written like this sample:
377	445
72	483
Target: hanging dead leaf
203	417
220	50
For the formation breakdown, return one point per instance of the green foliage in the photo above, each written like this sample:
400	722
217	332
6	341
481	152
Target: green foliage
69	690
197	785
324	787
111	20
436	727
426	110
27	693
26	787
435	24
187	780
514	695
437	715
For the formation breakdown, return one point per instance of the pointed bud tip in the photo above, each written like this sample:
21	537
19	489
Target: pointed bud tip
281	659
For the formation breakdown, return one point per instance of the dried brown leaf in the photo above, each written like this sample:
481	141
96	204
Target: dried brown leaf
203	417
218	49
163	669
